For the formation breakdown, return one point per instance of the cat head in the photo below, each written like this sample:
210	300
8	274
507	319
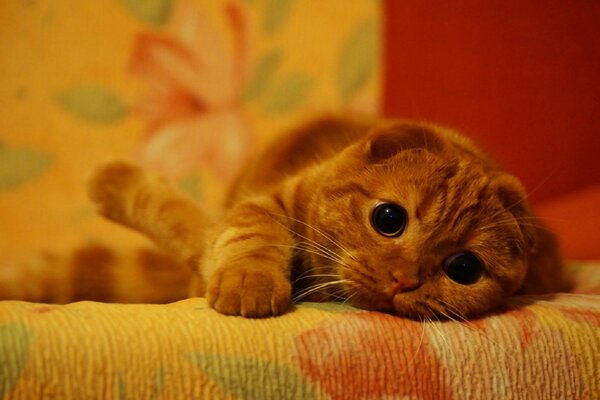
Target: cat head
424	224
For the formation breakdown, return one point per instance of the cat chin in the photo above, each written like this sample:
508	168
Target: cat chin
400	309
371	302
398	306
412	310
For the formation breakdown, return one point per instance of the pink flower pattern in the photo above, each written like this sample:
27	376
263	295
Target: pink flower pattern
195	73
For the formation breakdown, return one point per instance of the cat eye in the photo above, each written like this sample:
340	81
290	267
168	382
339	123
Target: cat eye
389	219
463	268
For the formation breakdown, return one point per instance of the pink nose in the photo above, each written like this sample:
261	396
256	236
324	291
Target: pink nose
402	282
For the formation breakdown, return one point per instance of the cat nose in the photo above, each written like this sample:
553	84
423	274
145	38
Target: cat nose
402	282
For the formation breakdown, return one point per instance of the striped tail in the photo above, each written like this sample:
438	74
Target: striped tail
99	273
124	194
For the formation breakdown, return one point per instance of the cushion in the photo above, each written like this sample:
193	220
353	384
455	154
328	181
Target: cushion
187	88
539	347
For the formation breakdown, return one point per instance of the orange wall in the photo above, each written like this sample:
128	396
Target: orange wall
522	77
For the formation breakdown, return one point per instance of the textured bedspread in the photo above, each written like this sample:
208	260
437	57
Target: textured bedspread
539	347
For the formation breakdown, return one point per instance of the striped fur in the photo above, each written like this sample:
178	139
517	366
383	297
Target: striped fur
297	223
99	273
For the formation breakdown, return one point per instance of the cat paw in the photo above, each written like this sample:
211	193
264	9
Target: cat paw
251	293
109	186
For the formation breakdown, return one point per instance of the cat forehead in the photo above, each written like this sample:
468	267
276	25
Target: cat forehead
436	190
418	179
419	172
444	215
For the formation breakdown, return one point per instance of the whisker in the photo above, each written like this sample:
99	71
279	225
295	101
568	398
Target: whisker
337	296
542	183
414	357
313	276
348	298
358	272
305	248
525	198
315	288
537	217
509	223
438	333
434	325
309	240
319	231
519	220
319	253
317	276
468	324
317	246
320	247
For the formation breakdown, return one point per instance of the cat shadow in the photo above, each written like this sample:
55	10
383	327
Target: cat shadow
517	303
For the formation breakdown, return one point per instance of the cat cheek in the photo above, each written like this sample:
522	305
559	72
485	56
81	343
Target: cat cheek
514	277
486	296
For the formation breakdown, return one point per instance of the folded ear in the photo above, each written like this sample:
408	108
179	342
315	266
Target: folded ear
513	197
385	142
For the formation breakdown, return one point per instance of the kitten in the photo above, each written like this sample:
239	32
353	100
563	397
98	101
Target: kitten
404	217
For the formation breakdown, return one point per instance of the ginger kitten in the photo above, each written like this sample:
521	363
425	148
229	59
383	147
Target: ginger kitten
404	217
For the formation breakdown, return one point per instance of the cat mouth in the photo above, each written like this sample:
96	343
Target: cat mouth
397	303
394	305
388	301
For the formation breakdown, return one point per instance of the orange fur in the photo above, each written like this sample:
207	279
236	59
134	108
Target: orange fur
298	223
99	273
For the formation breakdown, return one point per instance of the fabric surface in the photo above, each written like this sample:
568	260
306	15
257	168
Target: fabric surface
538	347
187	88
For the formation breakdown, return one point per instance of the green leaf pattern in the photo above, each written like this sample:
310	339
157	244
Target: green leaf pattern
159	382
155	12
93	103
358	59
121	387
21	165
262	75
15	341
276	13
252	378
191	184
289	93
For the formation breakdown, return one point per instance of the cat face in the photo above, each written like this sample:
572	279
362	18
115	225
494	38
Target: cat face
424	225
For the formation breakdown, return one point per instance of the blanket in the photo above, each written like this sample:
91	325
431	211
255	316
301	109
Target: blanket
536	347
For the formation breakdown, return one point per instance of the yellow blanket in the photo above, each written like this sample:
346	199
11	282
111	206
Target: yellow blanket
538	347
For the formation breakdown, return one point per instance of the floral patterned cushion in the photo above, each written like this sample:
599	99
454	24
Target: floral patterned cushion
537	347
189	89
186	88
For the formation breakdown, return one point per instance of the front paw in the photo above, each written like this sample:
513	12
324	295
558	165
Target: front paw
110	185
249	292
